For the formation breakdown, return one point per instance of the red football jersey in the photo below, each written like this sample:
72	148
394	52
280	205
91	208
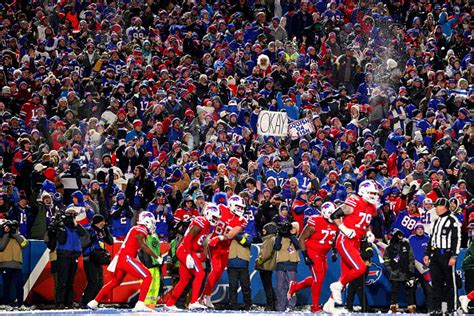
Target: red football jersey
225	224
183	214
323	237
130	244
194	243
360	218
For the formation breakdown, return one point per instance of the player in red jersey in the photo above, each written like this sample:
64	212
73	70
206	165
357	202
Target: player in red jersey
315	242
190	255
352	219
229	225
125	261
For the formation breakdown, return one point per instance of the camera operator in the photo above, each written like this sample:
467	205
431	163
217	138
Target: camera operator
50	237
11	243
95	256
71	237
287	257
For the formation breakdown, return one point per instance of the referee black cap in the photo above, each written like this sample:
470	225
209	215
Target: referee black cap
442	202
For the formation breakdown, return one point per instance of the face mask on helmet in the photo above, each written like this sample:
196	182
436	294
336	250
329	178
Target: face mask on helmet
148	220
369	192
327	209
236	205
212	214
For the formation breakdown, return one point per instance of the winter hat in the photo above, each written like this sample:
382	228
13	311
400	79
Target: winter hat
97	219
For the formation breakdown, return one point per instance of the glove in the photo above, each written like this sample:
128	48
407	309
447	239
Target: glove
370	237
307	259
214	241
334	255
259	261
189	262
348	232
159	260
410	282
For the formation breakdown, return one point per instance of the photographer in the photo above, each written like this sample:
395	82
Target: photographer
287	258
95	256
11	243
238	270
71	236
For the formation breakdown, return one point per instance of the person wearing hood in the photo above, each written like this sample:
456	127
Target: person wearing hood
99	235
399	261
418	243
140	189
394	140
43	217
84	213
446	23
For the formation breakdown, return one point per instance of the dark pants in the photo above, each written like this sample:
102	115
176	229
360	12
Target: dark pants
427	291
95	281
396	286
266	277
12	277
67	268
442	280
357	286
237	275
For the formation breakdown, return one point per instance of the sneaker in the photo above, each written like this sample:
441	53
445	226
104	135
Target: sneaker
291	290
23	308
336	290
393	309
412	309
464	303
206	300
328	307
93	305
172	308
196	305
140	306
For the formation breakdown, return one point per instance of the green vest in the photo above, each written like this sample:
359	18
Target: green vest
154	243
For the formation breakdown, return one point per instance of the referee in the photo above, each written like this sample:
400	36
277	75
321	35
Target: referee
441	255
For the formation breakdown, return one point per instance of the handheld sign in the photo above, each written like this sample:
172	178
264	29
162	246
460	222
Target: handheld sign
300	128
273	123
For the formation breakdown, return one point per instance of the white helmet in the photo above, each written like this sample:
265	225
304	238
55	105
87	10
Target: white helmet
148	220
368	191
327	209
236	205
212	213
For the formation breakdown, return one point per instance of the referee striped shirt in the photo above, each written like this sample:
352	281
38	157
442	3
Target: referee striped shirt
446	234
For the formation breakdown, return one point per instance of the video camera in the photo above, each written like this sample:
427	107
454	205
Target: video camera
13	225
284	228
